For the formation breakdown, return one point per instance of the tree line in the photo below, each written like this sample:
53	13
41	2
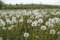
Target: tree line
25	6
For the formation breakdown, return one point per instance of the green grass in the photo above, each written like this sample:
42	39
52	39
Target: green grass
35	33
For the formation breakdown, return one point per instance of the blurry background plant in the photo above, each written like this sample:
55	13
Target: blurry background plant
58	38
1	4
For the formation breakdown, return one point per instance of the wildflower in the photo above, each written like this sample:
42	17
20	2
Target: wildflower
32	16
29	20
12	26
37	16
1	38
13	21
52	31
49	24
26	34
25	13
43	27
13	17
40	20
2	23
21	20
57	13
3	28
50	20
56	20
47	15
17	16
8	21
34	24
53	12
58	32
9	28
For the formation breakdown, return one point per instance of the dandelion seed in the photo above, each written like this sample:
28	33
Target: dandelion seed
52	31
43	27
34	24
58	32
40	20
37	16
49	24
12	26
29	20
9	28
57	13
1	38
3	23
3	28
14	21
26	34
8	21
21	20
32	17
13	17
56	20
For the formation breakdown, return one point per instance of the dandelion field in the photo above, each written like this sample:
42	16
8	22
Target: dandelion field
39	24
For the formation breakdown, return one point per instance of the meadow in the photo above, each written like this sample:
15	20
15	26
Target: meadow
30	24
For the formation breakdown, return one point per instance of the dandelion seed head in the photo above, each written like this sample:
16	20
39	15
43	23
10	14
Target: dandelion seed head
52	31
26	34
43	27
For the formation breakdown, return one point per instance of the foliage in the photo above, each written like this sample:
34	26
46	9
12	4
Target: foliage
25	6
1	4
41	24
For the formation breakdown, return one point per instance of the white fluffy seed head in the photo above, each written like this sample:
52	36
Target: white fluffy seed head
58	32
3	28
26	34
40	20
12	26
14	21
1	38
29	20
8	21
50	25
43	27
34	24
21	20
32	17
2	23
9	28
52	31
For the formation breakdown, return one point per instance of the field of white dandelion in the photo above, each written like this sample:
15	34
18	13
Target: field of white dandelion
39	24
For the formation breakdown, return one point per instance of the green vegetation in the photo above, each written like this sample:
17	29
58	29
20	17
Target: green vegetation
30	24
1	4
25	6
